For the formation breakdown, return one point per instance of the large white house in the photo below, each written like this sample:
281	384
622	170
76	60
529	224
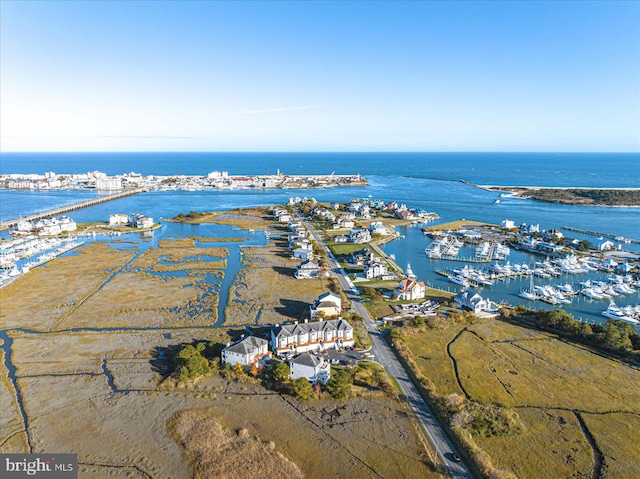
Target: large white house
307	269
474	302
409	289
307	365
316	336
304	252
327	304
54	226
375	269
247	351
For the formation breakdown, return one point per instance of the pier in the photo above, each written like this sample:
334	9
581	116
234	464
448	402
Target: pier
76	206
604	235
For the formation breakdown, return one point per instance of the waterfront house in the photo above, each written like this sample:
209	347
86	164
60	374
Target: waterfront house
311	366
552	234
473	302
359	236
311	336
507	224
409	289
248	351
307	269
378	228
606	246
118	219
327	304
54	226
140	221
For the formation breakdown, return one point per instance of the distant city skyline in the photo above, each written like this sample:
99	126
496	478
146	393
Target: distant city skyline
319	76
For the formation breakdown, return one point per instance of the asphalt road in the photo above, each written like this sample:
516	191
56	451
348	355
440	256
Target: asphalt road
383	355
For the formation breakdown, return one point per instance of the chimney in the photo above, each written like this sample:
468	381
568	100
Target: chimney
306	321
295	322
228	344
242	336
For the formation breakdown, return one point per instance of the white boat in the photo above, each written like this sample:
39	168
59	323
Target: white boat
459	280
528	295
614	312
410	272
591	293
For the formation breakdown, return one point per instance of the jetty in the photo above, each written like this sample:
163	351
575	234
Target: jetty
76	206
603	235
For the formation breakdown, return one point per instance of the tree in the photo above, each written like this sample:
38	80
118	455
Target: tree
339	386
616	335
303	388
253	371
191	363
279	372
238	368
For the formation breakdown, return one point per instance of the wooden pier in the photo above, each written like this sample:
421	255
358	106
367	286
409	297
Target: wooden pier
76	206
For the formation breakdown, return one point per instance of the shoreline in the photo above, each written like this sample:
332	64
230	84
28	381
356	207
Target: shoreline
578	196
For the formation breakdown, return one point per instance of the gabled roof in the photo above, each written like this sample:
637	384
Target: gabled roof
408	284
308	264
247	345
306	359
291	329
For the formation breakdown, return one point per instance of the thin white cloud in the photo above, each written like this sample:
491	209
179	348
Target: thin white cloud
274	110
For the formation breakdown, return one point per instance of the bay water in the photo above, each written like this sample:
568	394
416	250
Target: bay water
431	181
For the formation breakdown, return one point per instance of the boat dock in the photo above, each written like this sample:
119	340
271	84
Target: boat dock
76	206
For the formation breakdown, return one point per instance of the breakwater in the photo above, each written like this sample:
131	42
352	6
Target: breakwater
66	209
603	235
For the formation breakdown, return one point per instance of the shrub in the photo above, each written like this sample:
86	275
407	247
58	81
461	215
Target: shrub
303	388
339	386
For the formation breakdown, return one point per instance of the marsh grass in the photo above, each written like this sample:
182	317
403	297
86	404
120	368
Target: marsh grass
265	290
216	452
620	449
514	367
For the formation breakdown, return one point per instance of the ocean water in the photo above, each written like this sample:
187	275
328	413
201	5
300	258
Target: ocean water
525	169
431	181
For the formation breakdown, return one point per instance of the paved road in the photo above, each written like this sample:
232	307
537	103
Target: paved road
384	355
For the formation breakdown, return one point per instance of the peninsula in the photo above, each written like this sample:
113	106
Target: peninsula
573	196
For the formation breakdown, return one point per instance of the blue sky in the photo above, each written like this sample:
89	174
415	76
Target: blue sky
320	76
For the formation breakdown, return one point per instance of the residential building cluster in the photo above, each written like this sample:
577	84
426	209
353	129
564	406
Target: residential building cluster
135	220
46	226
301	344
214	180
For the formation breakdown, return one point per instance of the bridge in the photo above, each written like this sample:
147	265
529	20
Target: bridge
76	206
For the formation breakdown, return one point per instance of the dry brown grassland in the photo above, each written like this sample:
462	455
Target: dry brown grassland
103	394
551	385
266	292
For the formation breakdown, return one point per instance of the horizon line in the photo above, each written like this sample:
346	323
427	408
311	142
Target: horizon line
556	152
